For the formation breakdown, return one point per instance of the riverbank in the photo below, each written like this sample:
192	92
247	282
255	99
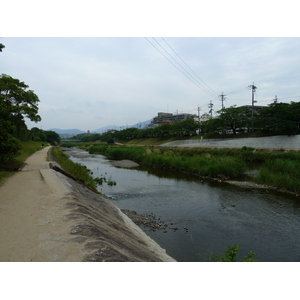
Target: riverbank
263	168
47	216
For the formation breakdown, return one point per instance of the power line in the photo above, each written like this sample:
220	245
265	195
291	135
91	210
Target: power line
189	67
198	83
189	77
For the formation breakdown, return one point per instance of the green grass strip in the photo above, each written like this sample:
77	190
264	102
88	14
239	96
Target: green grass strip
81	172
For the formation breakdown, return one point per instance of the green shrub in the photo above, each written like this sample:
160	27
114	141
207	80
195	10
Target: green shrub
231	254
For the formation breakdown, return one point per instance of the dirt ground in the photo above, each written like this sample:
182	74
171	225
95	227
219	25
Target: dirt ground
46	216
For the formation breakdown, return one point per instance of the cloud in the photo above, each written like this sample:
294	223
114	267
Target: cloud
89	83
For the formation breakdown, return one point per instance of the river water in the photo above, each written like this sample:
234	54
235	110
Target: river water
209	216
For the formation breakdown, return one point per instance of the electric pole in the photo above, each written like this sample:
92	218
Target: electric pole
199	114
210	106
275	100
222	99
253	88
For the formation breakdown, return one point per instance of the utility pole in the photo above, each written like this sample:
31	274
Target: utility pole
222	99
210	106
275	100
253	88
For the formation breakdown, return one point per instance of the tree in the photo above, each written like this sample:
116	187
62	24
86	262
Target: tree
281	118
16	103
235	117
212	126
52	137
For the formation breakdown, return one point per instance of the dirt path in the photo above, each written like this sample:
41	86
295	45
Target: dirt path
31	224
45	216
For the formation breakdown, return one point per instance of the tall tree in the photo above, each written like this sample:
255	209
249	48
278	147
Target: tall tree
16	103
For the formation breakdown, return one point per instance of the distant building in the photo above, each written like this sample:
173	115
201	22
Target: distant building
169	118
109	131
88	133
205	117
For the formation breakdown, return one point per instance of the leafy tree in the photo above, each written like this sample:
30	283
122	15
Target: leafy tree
212	126
235	117
281	118
16	103
52	137
1	47
37	134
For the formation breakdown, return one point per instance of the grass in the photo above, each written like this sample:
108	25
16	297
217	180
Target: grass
28	148
282	173
171	159
76	170
279	169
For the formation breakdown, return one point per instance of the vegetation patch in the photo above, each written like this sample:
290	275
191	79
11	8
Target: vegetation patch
279	169
171	159
282	173
9	167
81	172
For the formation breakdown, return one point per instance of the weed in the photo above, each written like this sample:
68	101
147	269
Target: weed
231	254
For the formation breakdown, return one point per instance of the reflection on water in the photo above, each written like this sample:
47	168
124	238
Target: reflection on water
216	214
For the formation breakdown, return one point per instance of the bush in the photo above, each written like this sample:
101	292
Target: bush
10	147
231	255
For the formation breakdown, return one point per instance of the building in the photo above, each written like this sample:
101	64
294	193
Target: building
205	117
88	133
169	118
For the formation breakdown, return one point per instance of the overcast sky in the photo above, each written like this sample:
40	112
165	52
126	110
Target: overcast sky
87	83
113	75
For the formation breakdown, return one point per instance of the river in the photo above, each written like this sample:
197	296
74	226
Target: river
203	217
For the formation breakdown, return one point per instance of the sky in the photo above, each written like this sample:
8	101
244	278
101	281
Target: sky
89	82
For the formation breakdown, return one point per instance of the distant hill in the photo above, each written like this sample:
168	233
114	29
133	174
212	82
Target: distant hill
66	132
103	129
141	125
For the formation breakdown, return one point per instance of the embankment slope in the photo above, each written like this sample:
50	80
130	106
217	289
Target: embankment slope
46	216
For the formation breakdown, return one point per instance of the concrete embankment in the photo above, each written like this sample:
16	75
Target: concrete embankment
271	142
47	216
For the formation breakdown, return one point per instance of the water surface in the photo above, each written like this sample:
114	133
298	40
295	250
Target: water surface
216	214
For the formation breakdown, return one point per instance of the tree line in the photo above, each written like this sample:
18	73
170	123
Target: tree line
276	118
179	129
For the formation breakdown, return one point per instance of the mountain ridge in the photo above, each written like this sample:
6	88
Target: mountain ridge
69	132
